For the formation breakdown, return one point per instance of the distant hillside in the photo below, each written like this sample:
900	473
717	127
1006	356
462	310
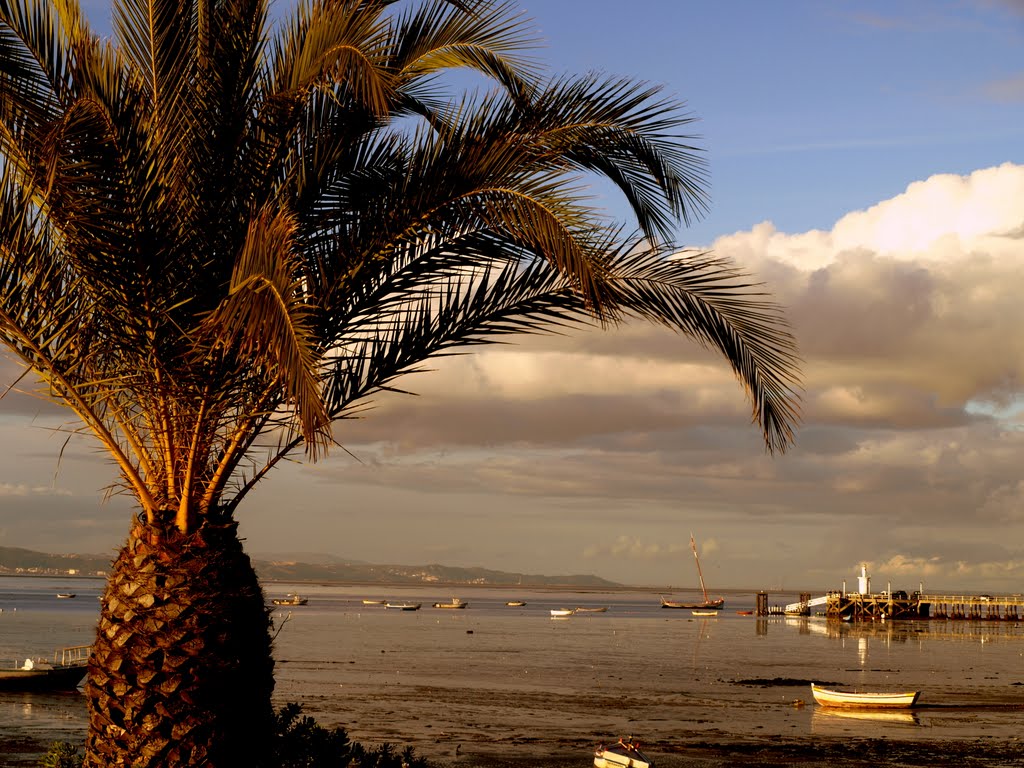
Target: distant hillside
14	560
365	573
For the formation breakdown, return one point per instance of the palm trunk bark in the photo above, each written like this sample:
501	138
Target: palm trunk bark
181	672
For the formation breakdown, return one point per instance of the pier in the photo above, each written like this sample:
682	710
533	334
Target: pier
865	605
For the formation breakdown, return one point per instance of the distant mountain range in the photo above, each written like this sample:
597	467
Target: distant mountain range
306	567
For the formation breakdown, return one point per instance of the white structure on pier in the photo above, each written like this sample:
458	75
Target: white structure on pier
864	581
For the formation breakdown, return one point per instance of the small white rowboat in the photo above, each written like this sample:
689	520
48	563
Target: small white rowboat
829	698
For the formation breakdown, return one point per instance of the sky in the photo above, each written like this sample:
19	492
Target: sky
867	164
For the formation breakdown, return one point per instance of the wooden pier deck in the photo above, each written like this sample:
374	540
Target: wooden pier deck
900	606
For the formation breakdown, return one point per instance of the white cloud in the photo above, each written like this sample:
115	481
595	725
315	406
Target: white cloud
909	318
632	548
20	489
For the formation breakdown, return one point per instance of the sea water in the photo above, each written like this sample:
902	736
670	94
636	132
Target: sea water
495	679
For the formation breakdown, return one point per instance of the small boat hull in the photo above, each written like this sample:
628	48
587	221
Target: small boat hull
561	613
403	606
291	600
52	679
710	605
515	603
64	674
854	700
625	754
592	609
456	603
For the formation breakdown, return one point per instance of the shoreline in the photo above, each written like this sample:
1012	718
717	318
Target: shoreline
859	752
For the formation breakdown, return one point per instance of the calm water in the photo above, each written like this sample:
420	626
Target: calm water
491	678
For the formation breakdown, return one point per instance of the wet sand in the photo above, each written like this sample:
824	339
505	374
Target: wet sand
468	691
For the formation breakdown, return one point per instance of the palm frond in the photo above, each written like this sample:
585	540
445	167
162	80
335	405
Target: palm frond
264	321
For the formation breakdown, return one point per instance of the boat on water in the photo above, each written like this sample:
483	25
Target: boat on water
515	603
403	606
373	602
66	595
707	604
455	603
827	697
561	613
744	613
64	673
705	613
291	599
591	609
624	754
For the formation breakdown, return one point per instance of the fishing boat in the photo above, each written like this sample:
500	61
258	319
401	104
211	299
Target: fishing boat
591	609
403	606
64	673
705	613
625	754
455	603
373	602
291	599
515	603
707	604
831	698
66	595
561	613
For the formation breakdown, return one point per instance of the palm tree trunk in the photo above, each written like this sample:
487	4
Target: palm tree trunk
181	672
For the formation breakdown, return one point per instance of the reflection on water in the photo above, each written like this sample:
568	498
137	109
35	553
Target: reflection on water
830	721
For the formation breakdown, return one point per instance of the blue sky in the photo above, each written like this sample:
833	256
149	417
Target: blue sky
867	163
809	109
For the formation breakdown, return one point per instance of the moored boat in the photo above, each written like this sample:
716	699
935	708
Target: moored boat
291	599
705	613
373	602
591	609
561	613
625	754
455	603
515	603
403	606
707	604
64	673
854	699
66	595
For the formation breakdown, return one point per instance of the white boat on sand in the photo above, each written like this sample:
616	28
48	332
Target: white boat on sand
853	699
625	754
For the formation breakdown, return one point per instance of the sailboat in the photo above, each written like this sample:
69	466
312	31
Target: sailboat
708	604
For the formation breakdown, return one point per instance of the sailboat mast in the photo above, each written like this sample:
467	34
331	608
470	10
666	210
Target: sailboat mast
693	546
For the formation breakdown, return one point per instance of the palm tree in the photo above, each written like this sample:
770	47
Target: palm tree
221	237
